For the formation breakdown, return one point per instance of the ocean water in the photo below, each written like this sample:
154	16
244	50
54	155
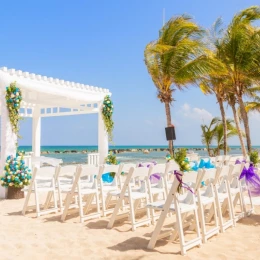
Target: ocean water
124	157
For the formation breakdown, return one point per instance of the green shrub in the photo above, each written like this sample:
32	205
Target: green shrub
254	157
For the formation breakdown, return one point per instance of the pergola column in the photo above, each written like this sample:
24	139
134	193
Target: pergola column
36	132
8	138
102	137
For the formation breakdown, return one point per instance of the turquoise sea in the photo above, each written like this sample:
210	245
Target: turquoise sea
79	157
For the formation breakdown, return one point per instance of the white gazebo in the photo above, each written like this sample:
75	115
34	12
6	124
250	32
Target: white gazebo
45	97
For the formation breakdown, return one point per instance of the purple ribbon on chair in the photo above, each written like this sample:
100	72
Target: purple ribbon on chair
239	162
252	179
154	178
182	184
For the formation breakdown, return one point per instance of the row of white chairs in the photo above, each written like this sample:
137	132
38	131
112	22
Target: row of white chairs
133	192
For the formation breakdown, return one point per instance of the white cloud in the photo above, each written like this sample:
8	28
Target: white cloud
199	114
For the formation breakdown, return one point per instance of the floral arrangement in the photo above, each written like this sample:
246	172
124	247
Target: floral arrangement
16	173
180	156
13	100
111	158
107	112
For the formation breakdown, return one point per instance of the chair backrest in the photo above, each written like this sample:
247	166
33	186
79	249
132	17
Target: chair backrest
113	168
172	166
90	170
210	175
48	171
158	168
141	172
67	170
190	177
128	166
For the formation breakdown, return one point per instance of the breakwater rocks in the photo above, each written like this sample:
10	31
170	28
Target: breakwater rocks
117	151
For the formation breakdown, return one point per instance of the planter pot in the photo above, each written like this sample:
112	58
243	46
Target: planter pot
14	193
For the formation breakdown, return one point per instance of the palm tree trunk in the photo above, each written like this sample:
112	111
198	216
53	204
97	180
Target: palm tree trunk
238	129
169	122
224	121
245	122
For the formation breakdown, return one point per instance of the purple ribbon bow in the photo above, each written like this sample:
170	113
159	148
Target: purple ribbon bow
154	178
182	184
252	179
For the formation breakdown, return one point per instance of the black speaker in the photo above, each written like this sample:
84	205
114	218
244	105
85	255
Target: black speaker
170	133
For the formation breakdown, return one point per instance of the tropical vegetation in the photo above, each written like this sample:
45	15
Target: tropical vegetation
177	58
214	134
224	61
107	112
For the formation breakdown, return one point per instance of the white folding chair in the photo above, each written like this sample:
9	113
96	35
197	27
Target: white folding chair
179	207
157	189
237	188
171	167
135	195
206	198
65	181
43	181
125	171
223	200
84	192
107	188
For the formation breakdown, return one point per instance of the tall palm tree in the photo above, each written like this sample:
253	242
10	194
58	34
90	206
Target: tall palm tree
176	59
231	98
215	82
216	85
240	52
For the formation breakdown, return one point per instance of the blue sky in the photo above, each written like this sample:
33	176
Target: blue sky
101	43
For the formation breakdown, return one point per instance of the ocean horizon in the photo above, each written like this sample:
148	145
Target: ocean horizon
77	156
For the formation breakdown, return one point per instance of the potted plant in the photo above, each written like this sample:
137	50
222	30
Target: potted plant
16	176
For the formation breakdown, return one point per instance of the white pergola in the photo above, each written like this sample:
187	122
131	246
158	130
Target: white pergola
45	97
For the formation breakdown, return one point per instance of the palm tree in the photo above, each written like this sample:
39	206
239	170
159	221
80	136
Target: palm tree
240	52
214	133
176	59
219	134
208	134
215	83
231	98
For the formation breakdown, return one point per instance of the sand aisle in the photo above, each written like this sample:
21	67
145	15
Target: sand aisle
47	238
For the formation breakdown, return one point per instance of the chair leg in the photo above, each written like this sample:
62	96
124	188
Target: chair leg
157	230
113	217
132	214
80	203
37	203
55	200
66	205
26	202
180	231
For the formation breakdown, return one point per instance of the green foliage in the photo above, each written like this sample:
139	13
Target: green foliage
13	99
16	173
180	157
215	133
111	159
254	157
107	112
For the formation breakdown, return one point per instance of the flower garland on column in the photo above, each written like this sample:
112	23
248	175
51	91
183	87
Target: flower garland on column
107	112
13	100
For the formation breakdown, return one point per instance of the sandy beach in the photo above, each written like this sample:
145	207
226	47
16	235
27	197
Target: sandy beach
47	238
